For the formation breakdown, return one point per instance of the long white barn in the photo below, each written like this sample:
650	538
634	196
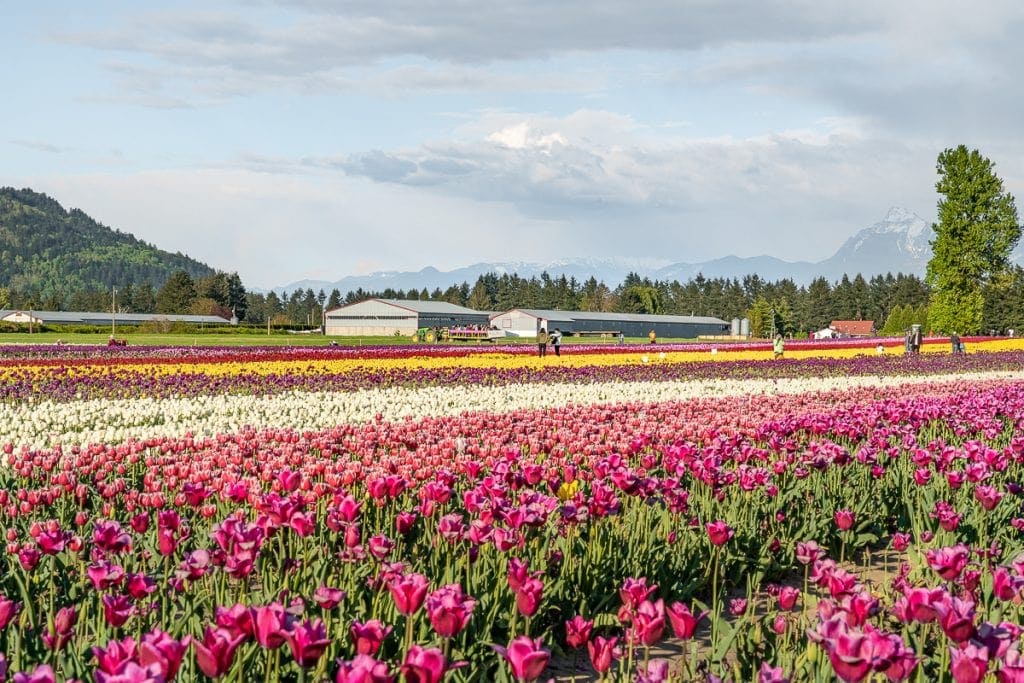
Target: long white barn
526	322
104	318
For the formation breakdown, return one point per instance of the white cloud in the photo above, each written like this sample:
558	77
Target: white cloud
275	229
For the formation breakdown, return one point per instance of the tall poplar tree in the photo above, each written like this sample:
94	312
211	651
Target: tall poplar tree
977	230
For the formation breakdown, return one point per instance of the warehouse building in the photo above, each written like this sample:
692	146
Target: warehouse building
525	322
105	318
386	317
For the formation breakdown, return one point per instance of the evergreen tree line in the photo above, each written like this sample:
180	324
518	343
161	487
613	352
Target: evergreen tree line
220	294
892	302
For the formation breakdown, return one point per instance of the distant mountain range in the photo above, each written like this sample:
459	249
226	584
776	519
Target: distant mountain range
899	243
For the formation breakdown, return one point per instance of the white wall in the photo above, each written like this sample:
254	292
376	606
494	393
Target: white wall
516	323
21	317
370	328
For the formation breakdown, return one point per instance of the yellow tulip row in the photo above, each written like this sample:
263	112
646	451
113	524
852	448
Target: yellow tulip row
570	358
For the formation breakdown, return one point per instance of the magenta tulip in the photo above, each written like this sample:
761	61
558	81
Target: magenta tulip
602	651
307	641
424	665
408	592
363	669
684	622
158	649
216	653
449	610
577	631
369	636
526	656
969	663
844	519
719	532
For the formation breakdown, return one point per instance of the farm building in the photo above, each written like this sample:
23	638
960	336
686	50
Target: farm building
104	318
385	317
853	328
525	322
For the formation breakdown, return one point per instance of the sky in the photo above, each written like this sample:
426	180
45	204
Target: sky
293	139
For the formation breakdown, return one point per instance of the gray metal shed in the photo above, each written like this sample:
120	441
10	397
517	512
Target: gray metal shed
385	317
525	322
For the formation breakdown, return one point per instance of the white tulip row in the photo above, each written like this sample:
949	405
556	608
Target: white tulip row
44	424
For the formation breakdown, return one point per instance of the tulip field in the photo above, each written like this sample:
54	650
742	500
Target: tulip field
417	514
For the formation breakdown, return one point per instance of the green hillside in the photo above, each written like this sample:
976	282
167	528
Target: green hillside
48	253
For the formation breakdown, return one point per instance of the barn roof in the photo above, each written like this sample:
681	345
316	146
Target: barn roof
854	328
417	306
568	316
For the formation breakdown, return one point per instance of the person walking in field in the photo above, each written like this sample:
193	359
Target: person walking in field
556	341
542	342
778	346
652	336
954	340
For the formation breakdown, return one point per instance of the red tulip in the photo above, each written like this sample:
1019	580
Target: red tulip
900	541
988	496
918	604
140	585
518	572
526	656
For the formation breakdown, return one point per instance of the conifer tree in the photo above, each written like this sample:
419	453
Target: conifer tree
977	230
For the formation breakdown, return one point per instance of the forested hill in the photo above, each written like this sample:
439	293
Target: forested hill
48	252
